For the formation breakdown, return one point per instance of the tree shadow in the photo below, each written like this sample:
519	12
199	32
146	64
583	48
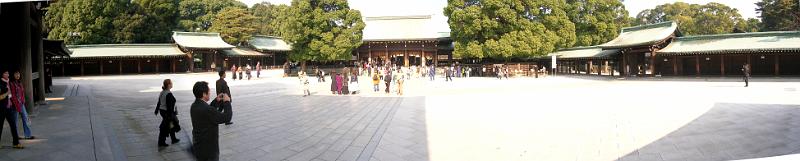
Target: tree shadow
729	131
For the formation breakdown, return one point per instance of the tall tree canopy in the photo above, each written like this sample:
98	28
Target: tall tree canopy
235	25
597	21
509	29
320	30
198	15
694	19
268	18
84	21
779	15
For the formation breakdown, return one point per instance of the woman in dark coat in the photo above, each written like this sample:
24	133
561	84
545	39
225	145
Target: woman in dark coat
169	119
333	82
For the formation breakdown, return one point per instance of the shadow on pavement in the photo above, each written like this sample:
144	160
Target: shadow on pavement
730	131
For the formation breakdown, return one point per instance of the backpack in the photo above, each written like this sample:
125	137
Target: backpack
375	77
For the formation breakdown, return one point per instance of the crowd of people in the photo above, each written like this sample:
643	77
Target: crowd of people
245	71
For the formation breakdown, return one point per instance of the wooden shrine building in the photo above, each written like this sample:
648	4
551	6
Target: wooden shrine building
768	53
585	60
273	48
204	49
104	59
638	47
403	41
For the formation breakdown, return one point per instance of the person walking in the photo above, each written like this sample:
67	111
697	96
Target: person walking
258	69
345	82
353	87
18	101
338	83
388	79
206	120
222	87
233	71
304	82
169	119
432	72
248	70
6	113
240	70
401	78
376	80
333	82
746	71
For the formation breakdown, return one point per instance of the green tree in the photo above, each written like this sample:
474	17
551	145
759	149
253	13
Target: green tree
508	29
268	16
197	15
597	21
749	25
779	15
83	21
321	30
694	19
161	17
235	25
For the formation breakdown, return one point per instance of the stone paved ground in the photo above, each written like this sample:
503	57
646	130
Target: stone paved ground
555	118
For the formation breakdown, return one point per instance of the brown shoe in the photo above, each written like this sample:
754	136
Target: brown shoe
19	146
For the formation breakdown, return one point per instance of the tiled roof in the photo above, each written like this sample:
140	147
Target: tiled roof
269	43
584	52
642	35
735	43
124	50
200	40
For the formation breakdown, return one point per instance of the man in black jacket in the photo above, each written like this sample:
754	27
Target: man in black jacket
205	122
222	87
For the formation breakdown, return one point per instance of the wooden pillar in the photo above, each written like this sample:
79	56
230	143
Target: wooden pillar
625	70
405	57
172	63
139	66
101	66
675	65
27	46
697	65
652	67
191	61
589	68
157	64
722	64
63	66
120	66
40	91
81	67
777	66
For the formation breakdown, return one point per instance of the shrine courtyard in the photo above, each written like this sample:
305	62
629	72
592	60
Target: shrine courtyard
552	118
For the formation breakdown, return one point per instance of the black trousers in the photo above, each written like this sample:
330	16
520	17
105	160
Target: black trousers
746	81
7	115
165	128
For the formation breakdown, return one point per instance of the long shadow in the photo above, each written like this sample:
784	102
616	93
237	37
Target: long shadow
686	78
729	131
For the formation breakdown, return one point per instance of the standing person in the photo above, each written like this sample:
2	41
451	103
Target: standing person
248	70
400	80
169	119
375	81
345	78
499	72
448	74
338	83
206	120
240	73
48	81
6	113
222	87
18	101
432	72
233	70
258	70
333	82
319	75
304	82
746	71
388	79
353	87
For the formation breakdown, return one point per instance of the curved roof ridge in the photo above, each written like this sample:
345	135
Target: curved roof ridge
648	26
740	35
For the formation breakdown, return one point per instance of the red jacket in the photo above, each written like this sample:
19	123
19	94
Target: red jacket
18	95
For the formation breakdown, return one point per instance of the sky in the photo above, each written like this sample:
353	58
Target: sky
370	8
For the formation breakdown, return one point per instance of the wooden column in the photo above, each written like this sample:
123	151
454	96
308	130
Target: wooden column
120	66
191	61
652	67
158	62
675	65
172	63
63	65
697	65
101	66
81	67
722	64
777	66
139	66
624	71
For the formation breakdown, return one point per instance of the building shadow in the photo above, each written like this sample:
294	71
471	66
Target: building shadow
729	131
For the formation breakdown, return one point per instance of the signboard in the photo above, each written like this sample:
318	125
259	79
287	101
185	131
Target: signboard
553	62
